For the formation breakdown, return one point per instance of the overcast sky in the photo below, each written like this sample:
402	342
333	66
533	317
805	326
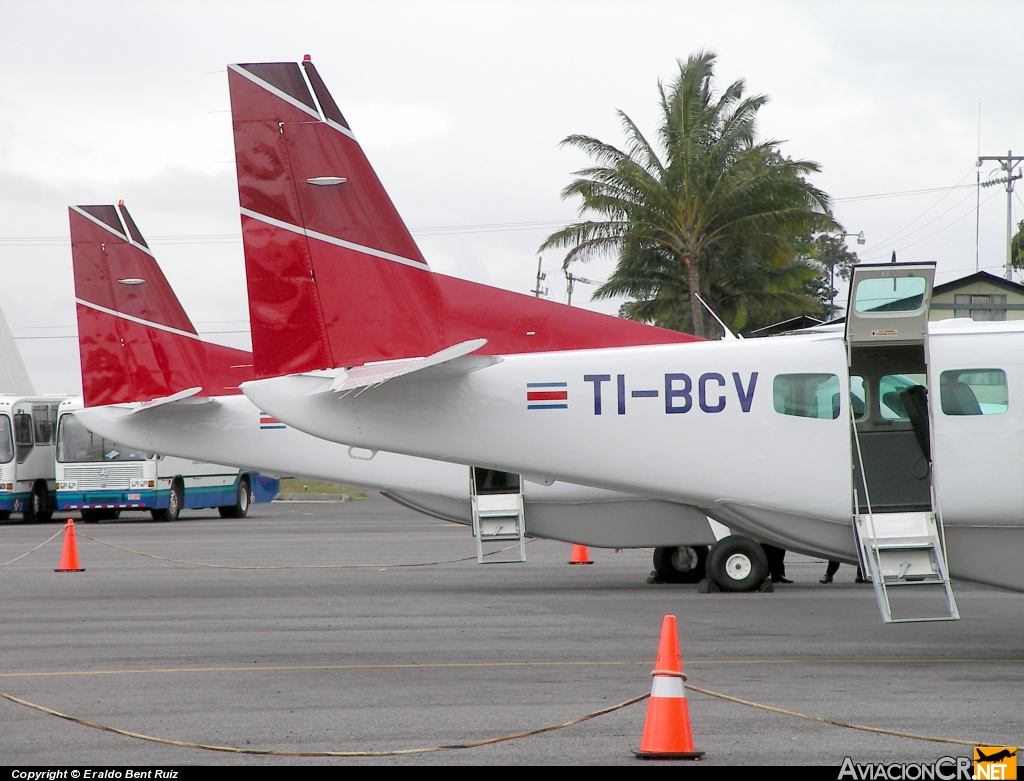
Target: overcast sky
461	107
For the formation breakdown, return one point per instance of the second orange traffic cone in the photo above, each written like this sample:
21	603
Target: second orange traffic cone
580	555
69	557
667	732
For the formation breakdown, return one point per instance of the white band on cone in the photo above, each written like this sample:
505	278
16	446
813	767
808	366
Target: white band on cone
663	686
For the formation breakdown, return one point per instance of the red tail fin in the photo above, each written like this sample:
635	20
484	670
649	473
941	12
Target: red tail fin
335	278
136	341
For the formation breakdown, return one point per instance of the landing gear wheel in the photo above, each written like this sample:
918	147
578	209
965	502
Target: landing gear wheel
737	563
684	564
175	501
243	498
38	505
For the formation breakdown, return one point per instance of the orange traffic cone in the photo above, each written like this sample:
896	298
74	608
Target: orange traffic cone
667	732
69	558
580	555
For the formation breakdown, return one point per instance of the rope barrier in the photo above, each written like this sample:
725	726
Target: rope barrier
40	545
285	753
288	566
833	722
486	741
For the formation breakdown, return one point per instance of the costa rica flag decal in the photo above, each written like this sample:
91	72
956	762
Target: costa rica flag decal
547	395
269	421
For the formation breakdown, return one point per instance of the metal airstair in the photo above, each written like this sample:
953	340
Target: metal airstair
905	549
498	515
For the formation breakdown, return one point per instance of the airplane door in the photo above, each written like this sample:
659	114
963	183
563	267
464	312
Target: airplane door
886	333
898	533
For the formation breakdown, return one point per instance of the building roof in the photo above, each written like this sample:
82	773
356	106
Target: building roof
979	276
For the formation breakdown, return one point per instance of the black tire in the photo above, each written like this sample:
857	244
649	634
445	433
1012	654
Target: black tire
243	498
737	563
5	515
92	516
684	564
175	501
39	505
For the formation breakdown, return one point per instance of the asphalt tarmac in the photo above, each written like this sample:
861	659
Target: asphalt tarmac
384	657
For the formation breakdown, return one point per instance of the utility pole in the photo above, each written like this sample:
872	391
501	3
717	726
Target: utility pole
1007	163
570	283
539	291
832	268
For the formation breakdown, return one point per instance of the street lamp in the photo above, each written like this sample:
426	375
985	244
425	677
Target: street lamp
832	269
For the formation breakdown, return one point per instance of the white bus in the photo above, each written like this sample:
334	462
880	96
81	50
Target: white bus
27	426
100	478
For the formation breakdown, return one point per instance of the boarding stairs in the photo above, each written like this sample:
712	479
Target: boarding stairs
900	549
498	518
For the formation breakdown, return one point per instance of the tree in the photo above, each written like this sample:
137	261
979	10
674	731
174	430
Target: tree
1017	247
829	250
709	211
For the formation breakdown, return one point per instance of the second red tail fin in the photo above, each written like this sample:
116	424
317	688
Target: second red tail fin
135	340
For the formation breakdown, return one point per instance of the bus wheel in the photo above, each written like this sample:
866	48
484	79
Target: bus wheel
5	515
91	516
243	498
684	564
737	563
174	503
38	505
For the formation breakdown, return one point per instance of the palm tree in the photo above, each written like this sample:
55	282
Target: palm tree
709	211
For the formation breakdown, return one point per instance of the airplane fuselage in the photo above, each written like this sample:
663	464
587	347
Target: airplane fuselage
700	424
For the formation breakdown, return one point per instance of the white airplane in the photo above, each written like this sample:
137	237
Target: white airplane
763	435
150	382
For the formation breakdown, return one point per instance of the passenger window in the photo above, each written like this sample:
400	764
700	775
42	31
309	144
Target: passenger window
23	439
43	424
890	403
858	397
807	395
974	392
889	294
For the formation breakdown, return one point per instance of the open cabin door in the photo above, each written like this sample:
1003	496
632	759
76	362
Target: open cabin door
898	531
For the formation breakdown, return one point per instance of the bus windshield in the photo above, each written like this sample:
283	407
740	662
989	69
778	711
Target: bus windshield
6	445
76	444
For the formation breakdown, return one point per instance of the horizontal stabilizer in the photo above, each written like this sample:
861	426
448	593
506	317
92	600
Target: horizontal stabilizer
370	374
189	393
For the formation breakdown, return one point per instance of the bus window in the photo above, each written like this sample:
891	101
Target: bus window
974	392
806	395
889	387
6	443
75	444
23	439
43	425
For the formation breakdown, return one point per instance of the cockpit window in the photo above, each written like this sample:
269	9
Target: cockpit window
974	392
807	395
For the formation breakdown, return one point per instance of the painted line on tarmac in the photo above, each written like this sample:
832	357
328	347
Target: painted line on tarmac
470	665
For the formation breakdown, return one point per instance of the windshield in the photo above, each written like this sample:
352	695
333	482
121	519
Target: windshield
76	444
6	445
